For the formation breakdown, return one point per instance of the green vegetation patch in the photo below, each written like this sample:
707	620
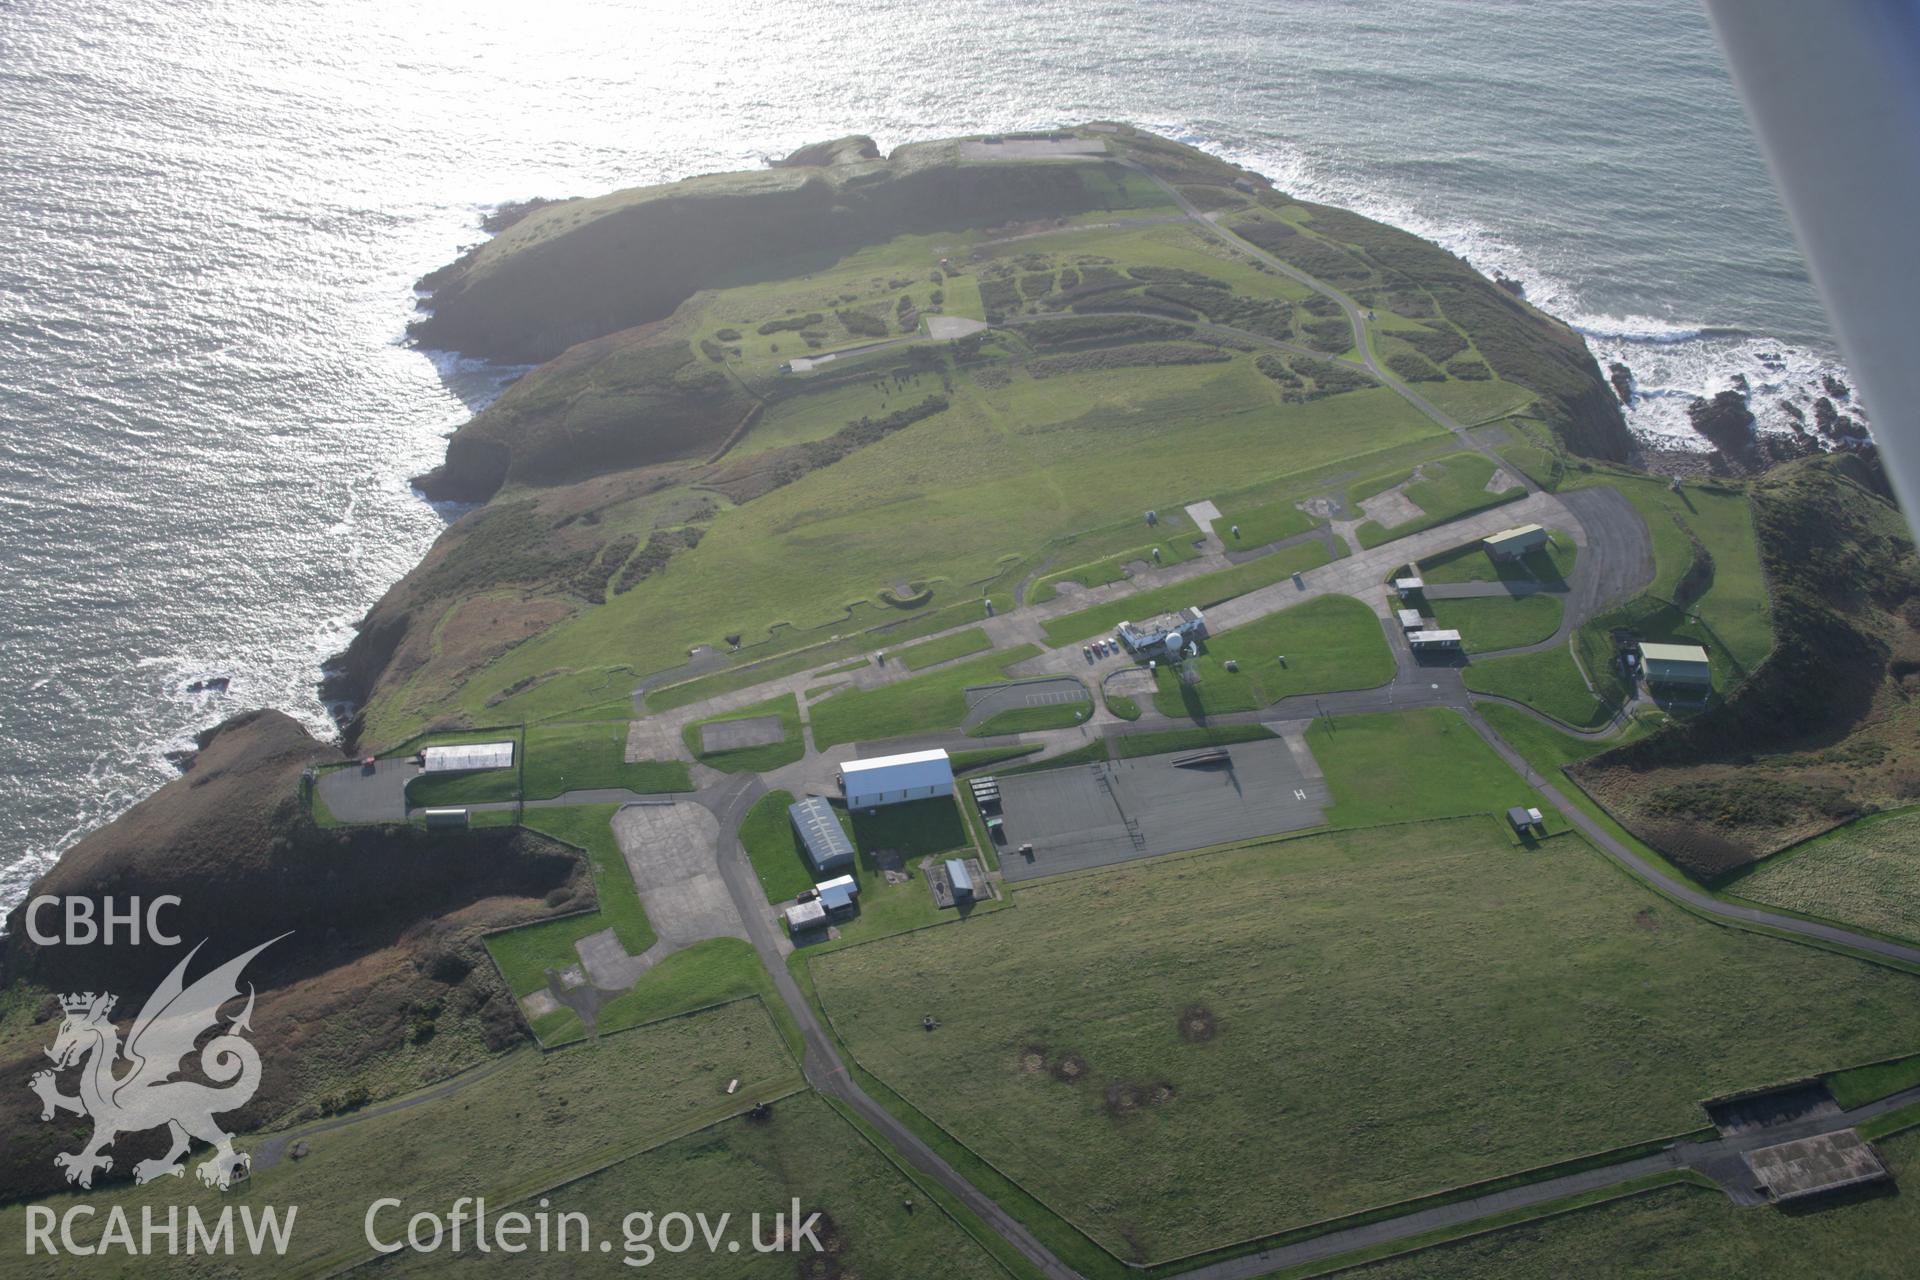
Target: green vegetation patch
1867	874
1477	987
1158	742
1206	590
582	757
1406	766
919	704
760	759
1261	523
1548	681
1490	623
945	649
526	953
987	757
1051	715
1328	643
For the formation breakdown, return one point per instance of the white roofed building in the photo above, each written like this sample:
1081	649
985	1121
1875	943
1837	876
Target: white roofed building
917	775
467	757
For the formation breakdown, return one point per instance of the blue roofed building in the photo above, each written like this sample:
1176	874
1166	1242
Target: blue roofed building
825	840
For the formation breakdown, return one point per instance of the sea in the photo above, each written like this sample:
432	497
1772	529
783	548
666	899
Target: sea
212	216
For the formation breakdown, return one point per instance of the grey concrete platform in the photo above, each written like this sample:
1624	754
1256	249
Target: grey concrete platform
731	735
1097	815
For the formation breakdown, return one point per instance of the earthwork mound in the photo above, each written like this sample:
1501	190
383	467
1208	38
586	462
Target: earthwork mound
1196	1024
1069	1067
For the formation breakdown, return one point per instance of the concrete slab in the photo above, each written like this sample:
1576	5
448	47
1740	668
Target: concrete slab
1203	514
671	849
655	738
1819	1165
731	735
946	328
1097	815
1390	508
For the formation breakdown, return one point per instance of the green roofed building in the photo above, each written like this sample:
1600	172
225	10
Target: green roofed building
1676	664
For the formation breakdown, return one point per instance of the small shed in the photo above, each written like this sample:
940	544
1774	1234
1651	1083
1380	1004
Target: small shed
806	915
837	894
1681	664
446	817
916	775
820	832
1511	544
1434	639
961	879
1522	817
1410	620
1409	586
467	758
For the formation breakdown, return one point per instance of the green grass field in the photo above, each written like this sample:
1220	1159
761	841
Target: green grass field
1051	715
1683	1232
1328	643
936	700
490	786
1160	741
791	747
525	954
1087	560
1547	681
1867	873
1205	590
1490	623
1411	765
536	1121
1449	487
705	973
740	1167
580	757
929	652
1475	988
1261	523
1547	749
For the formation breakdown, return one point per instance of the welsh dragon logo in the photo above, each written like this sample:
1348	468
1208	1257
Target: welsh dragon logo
130	1088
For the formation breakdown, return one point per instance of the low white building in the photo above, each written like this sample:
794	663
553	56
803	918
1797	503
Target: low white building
1434	639
467	757
917	775
1511	544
